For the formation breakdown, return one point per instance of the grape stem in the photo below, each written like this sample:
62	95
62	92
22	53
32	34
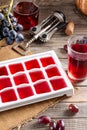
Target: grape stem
9	10
10	7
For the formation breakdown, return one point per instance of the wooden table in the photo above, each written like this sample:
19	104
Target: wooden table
59	110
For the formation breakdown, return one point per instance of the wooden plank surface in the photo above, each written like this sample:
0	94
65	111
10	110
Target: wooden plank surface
71	124
59	111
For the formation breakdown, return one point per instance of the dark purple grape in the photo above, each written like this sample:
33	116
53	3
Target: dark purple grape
5	23
12	34
52	125
13	19
10	15
9	41
44	119
60	125
1	34
5	31
1	16
18	27
0	37
14	24
19	38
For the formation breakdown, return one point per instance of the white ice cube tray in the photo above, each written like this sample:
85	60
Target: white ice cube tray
31	79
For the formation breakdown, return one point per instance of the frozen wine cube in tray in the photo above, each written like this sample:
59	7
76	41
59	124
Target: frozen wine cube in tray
32	79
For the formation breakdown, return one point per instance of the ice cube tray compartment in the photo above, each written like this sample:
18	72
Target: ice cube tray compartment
5	82
8	96
20	79
32	79
52	71
25	92
17	67
47	61
3	71
36	75
32	64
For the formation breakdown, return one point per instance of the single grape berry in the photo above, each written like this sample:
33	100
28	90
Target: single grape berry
13	19
5	23
73	108
5	31
14	25
44	120
19	38
1	16
60	125
65	48
12	34
9	41
10	15
52	125
18	27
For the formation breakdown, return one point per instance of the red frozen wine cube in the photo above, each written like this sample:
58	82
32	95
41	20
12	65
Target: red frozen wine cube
53	71
58	83
14	68
42	87
20	79
25	92
47	61
79	47
3	71
36	75
5	82
8	95
31	64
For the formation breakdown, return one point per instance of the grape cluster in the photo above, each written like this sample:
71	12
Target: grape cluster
9	28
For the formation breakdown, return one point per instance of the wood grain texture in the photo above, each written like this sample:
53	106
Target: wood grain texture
59	111
56	43
70	124
4	2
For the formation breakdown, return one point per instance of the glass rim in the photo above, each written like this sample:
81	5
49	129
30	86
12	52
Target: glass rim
81	53
14	10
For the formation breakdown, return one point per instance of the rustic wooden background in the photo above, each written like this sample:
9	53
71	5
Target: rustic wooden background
59	111
4	2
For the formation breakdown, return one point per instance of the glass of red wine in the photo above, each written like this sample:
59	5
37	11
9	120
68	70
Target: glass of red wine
77	58
27	13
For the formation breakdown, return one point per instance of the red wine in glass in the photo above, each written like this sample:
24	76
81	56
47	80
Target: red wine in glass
27	14
77	68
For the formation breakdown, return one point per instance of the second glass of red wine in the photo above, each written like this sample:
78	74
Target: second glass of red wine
77	57
27	13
